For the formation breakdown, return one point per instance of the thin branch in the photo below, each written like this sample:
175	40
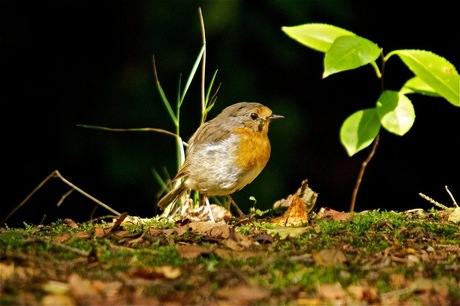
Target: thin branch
53	174
433	201
86	194
29	196
451	196
361	172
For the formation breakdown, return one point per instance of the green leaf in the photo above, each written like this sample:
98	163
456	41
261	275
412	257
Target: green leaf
416	85
349	52
396	112
359	130
435	71
317	36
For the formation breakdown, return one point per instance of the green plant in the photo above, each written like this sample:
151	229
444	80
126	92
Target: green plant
174	111
393	110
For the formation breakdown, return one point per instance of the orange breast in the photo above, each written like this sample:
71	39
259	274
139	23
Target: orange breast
254	150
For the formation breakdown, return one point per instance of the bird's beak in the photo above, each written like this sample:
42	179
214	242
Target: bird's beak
275	117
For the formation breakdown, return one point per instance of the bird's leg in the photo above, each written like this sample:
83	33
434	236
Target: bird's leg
206	199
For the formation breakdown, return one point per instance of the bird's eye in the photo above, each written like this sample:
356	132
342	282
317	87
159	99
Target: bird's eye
254	116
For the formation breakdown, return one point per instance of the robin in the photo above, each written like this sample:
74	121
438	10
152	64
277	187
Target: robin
225	154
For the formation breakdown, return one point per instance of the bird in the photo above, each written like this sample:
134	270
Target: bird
225	153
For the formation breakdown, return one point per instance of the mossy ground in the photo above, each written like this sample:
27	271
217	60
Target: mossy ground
374	257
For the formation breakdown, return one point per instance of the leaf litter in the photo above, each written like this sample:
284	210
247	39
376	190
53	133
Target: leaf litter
298	257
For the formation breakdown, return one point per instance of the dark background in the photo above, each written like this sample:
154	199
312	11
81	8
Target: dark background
65	63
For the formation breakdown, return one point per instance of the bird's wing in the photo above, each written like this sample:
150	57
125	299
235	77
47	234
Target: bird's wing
209	132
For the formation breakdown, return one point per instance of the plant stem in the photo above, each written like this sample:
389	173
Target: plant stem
203	69
361	172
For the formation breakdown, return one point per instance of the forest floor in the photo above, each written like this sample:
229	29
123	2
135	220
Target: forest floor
372	257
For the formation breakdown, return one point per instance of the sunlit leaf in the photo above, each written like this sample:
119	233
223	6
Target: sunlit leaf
396	112
317	36
417	85
349	52
359	130
435	71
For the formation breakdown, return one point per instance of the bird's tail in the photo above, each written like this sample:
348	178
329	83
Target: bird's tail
172	196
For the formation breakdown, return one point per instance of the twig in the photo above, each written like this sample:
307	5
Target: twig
432	201
361	173
86	194
133	130
64	197
53	174
451	196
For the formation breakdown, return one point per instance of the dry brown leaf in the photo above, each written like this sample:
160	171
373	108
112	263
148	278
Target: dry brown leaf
242	295
329	257
295	215
328	213
101	231
217	230
242	240
364	293
220	213
299	205
62	237
124	234
191	251
331	292
231	254
70	223
308	196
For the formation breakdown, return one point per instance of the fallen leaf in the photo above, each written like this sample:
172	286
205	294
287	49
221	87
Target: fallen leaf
243	294
100	231
70	223
364	293
220	213
231	254
62	237
242	240
305	193
217	230
191	251
328	213
295	215
329	257
455	215
331	291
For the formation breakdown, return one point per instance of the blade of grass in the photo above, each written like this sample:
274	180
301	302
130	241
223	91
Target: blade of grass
163	96
192	74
